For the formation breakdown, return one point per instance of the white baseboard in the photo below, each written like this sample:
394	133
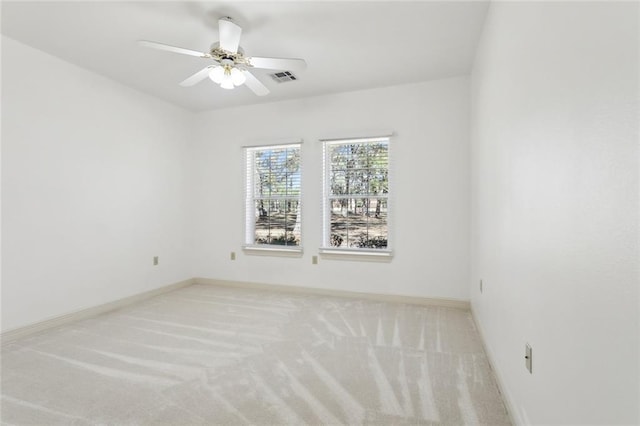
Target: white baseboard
425	301
514	415
40	326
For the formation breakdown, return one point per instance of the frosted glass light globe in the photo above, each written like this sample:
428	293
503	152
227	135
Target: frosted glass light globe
217	74
227	83
237	77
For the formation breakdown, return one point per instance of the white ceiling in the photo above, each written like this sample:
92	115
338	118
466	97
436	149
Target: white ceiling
347	45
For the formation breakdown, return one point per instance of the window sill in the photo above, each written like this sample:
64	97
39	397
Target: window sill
273	251
357	254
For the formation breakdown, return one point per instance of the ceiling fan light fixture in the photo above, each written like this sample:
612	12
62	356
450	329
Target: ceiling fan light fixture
227	76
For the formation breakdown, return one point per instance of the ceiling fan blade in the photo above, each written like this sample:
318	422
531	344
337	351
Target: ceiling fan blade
282	64
229	35
181	50
255	85
197	77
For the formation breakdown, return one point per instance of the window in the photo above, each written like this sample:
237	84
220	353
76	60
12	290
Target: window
356	193
273	196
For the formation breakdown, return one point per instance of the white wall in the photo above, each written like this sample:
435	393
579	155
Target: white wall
555	207
430	183
93	186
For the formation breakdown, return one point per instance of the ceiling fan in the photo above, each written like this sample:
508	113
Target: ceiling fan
230	67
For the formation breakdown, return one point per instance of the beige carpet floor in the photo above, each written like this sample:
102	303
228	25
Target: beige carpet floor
215	355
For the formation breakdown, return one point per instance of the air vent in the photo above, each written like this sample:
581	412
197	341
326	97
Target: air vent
284	76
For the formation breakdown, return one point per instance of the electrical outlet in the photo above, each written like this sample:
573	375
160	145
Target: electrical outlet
528	360
155	260
233	255
480	286
314	260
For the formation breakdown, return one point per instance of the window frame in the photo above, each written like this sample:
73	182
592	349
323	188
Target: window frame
355	253
249	245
